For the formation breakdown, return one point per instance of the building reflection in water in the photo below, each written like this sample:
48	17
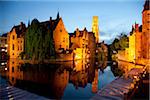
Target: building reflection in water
95	82
14	71
51	80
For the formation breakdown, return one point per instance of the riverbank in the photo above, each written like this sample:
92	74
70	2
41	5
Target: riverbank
140	61
8	92
121	87
142	90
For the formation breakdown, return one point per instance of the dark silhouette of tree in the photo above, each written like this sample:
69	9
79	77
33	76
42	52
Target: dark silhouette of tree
38	42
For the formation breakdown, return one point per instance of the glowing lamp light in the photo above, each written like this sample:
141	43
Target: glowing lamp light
3	50
2	63
135	77
5	68
96	51
6	45
96	63
78	56
132	85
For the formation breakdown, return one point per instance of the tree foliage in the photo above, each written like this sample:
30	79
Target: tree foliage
119	43
38	41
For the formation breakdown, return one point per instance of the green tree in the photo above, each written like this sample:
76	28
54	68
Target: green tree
38	41
119	43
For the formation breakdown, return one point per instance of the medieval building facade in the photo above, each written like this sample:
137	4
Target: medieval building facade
3	46
59	33
82	43
15	40
146	30
139	39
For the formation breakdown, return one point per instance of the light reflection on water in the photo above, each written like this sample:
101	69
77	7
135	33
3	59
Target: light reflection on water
74	79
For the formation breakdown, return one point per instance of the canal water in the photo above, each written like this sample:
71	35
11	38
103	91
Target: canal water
79	79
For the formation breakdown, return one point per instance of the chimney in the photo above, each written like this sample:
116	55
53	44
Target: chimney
136	27
21	23
50	18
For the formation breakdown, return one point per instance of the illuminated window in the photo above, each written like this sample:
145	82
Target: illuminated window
13	47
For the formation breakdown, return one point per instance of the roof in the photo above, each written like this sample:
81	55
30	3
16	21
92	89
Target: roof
4	35
147	5
72	34
80	32
20	29
51	24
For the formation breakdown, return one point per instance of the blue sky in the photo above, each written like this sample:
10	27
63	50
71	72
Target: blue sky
115	16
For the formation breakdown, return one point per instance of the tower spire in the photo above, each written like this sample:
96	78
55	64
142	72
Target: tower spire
58	15
147	5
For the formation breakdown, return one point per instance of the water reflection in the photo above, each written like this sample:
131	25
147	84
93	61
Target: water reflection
120	68
74	79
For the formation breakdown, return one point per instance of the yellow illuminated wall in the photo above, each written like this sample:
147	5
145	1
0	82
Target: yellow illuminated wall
131	56
95	28
15	44
60	36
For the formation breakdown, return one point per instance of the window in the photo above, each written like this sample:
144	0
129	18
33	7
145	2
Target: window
12	69
64	40
21	48
12	79
18	68
60	30
18	47
13	37
13	47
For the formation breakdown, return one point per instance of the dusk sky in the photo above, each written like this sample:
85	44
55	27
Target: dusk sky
115	16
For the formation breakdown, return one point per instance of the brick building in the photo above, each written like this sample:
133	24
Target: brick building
15	40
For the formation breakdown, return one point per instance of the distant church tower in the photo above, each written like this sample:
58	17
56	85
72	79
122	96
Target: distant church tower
95	28
146	30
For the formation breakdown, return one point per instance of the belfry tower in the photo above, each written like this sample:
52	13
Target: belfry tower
95	28
146	30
